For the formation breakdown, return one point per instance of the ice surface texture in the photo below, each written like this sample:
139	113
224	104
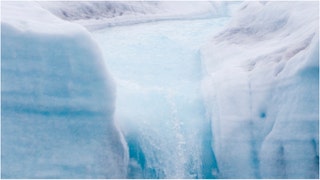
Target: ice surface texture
261	90
57	100
97	15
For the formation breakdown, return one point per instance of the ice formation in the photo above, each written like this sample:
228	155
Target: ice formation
261	91
257	116
57	100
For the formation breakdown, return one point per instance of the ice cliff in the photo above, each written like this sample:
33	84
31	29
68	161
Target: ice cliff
261	88
57	100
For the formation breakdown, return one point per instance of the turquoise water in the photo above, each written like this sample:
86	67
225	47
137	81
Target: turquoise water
159	107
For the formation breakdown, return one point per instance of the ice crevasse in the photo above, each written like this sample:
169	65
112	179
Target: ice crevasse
261	89
57	100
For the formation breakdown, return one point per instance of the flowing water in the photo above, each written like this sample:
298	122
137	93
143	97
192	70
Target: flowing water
159	107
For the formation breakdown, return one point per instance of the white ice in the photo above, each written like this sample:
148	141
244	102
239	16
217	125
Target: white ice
101	14
261	89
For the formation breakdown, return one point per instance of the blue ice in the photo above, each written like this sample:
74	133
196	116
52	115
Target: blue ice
159	107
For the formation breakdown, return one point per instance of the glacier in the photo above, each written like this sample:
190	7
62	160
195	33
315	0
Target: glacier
261	88
159	89
57	100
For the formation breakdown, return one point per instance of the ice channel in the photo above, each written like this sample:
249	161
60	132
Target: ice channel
159	105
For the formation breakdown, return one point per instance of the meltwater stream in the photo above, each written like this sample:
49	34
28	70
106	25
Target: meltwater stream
159	108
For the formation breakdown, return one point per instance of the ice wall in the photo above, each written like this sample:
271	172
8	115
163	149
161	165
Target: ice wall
57	100
261	88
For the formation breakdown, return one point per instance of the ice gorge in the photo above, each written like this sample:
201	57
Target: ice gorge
160	89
